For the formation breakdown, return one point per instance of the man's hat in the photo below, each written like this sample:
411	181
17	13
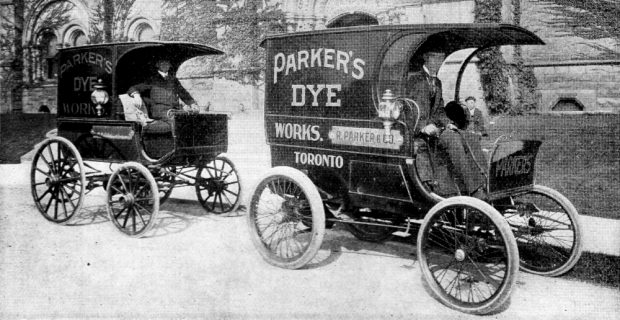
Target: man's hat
457	114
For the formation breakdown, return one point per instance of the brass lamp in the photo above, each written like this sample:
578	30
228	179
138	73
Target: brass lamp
99	97
389	110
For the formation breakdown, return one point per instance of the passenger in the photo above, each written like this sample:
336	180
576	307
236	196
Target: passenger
466	160
445	149
476	120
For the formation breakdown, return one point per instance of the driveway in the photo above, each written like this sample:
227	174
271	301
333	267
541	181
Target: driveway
204	266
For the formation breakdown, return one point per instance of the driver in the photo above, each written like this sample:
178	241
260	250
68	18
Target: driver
164	91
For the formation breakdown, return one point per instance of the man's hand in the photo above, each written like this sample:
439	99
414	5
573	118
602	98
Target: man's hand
193	108
137	100
431	130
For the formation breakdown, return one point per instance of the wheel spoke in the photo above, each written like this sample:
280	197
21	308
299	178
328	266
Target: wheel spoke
119	213
129	210
50	201
53	167
43	195
68	197
43	172
63	202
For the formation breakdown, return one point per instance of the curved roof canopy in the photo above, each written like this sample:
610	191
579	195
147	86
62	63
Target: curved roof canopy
455	36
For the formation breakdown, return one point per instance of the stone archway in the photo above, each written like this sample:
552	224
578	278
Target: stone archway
567	104
352	19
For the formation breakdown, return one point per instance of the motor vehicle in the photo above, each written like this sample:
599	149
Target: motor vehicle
101	143
342	135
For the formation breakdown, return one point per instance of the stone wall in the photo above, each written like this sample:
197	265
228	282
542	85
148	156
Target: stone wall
35	97
595	86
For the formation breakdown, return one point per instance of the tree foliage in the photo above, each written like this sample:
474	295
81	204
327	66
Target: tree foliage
526	95
237	27
493	68
108	20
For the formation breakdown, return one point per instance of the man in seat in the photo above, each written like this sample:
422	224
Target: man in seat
161	92
466	160
446	149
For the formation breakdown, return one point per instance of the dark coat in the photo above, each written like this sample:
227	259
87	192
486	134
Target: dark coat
431	104
466	161
161	95
476	122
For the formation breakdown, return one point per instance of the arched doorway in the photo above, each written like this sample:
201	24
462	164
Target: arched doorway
353	19
567	104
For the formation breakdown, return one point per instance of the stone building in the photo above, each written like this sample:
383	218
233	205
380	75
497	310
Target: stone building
573	73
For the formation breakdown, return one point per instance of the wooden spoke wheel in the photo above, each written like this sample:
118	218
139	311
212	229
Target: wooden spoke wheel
132	199
58	180
468	255
546	227
218	186
286	218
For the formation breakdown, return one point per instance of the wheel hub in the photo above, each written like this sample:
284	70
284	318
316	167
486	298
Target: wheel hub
459	255
127	200
52	180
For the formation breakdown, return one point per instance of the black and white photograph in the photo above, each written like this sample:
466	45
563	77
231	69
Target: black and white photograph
309	159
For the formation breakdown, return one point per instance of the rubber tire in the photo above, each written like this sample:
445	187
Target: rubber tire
512	253
574	217
235	206
154	192
33	170
318	217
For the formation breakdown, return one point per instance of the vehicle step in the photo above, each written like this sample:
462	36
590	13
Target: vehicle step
401	234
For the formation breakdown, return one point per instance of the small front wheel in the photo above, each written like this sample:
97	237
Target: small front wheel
468	255
286	218
132	199
218	185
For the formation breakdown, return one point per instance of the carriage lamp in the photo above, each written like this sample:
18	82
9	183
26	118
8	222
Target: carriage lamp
99	97
389	110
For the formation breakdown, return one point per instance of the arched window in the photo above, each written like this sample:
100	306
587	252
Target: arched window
353	19
48	44
78	38
567	104
144	32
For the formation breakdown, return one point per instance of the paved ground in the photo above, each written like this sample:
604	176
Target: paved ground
204	266
200	265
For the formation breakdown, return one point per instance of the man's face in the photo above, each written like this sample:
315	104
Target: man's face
433	61
163	66
471	104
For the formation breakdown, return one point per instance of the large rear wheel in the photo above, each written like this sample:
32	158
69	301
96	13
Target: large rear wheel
468	255
58	180
546	227
286	218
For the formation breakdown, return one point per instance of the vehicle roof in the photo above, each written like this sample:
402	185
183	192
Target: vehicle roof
199	49
473	34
